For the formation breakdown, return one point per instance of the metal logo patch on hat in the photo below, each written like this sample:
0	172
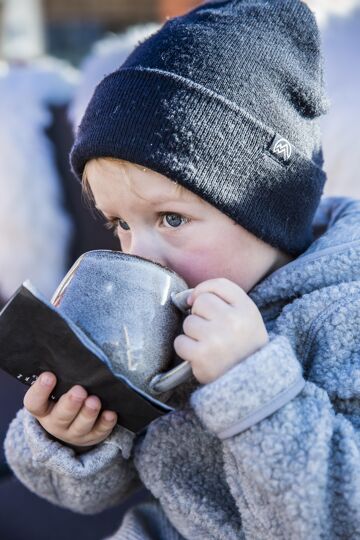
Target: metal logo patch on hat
281	148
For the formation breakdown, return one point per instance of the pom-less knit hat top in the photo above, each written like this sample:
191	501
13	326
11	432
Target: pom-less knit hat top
225	101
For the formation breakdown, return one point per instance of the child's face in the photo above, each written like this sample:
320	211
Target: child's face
157	219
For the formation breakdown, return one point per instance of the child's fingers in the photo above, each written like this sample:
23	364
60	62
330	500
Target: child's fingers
86	418
87	431
67	408
228	291
208	305
74	418
36	399
104	424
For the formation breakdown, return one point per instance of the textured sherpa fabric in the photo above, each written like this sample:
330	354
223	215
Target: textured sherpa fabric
240	80
228	465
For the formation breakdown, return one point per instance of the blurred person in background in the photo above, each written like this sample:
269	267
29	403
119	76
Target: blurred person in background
35	228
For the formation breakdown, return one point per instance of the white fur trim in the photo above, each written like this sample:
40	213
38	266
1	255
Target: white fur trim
35	230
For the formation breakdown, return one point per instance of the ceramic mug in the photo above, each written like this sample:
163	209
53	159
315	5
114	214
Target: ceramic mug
125	304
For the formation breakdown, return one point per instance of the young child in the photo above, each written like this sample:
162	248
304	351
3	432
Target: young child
203	153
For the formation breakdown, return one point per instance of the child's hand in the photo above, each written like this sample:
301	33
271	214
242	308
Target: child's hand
224	327
74	418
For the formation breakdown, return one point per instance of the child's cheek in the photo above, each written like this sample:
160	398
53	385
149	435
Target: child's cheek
196	268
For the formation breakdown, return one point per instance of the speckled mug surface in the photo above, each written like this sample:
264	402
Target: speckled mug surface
123	304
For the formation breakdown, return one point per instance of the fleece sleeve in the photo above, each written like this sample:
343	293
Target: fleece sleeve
85	483
291	459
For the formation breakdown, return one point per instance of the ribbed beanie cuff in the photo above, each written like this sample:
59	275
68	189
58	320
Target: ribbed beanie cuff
260	164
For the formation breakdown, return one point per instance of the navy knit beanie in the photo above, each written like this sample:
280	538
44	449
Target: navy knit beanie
223	100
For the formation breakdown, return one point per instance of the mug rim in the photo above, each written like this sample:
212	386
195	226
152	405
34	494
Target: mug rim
112	253
115	253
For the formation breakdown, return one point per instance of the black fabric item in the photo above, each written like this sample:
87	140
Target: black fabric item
35	338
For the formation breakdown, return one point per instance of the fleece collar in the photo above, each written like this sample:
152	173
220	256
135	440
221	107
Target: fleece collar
332	258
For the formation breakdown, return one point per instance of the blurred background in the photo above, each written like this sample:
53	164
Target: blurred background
52	55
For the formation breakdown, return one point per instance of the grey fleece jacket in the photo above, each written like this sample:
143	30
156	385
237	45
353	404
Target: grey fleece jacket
270	450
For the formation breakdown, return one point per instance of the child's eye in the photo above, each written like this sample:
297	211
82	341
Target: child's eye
123	224
173	220
114	223
169	220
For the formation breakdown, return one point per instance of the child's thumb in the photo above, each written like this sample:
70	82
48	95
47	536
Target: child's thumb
180	300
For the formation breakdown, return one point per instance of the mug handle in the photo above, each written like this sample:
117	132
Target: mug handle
179	374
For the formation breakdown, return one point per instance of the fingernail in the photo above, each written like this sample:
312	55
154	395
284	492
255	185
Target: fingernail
46	380
180	299
109	417
93	404
77	392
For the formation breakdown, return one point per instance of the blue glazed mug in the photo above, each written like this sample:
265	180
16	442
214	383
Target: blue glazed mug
125	304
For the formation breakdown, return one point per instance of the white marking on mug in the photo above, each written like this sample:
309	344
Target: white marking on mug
166	291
